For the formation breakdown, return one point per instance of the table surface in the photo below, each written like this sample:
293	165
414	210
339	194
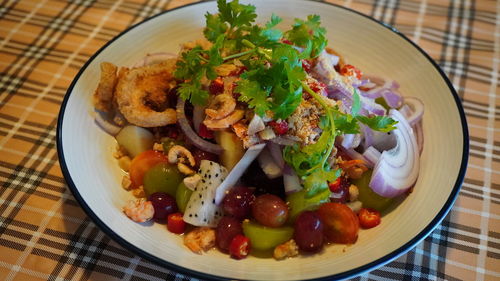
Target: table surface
44	234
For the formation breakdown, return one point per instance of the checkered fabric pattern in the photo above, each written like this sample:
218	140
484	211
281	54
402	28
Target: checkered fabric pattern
45	235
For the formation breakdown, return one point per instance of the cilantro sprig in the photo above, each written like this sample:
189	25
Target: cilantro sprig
273	79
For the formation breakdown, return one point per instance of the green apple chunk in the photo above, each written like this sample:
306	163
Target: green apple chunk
264	238
233	148
162	177
135	139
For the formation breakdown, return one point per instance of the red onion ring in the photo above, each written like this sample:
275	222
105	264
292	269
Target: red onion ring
107	125
191	134
153	58
417	110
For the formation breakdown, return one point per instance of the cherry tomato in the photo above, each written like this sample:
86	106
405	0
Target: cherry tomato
240	247
335	185
368	217
175	223
142	163
351	70
280	128
340	222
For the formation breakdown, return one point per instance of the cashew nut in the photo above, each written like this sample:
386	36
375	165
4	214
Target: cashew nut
183	168
179	154
192	181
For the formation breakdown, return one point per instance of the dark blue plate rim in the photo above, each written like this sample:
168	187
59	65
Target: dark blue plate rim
344	275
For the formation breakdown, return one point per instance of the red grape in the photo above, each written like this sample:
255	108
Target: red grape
308	232
238	201
270	210
199	155
226	230
164	205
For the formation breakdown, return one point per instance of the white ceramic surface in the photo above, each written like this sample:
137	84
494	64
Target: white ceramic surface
92	173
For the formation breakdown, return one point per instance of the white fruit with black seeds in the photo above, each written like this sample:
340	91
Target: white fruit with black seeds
201	209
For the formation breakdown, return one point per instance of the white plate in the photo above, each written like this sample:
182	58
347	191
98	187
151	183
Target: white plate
85	151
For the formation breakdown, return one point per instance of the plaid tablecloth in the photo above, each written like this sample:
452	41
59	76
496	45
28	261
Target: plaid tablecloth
44	234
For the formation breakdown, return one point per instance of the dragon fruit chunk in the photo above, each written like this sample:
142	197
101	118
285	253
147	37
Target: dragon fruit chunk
201	209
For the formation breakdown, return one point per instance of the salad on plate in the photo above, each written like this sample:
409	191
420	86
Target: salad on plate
257	140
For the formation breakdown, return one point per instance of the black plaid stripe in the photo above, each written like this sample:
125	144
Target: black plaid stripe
144	10
56	56
13	77
25	178
456	36
6	6
80	28
385	11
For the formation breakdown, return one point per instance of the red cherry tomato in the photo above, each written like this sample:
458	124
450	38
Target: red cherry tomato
335	185
280	128
340	222
239	247
369	217
351	70
175	223
142	163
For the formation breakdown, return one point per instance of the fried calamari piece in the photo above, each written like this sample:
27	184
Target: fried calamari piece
143	94
103	95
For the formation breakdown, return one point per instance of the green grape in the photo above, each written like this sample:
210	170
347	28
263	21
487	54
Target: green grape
182	196
298	202
264	238
369	198
162	177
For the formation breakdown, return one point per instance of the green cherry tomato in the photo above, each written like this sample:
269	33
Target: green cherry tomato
162	177
264	238
368	197
182	196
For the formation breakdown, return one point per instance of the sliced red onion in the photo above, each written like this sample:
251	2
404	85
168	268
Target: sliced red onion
290	180
351	140
198	117
372	155
377	80
419	134
256	125
191	134
153	58
237	171
397	169
393	98
268	165
353	154
276	152
284	140
106	124
417	110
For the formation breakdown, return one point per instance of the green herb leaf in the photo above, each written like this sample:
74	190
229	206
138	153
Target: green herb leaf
308	34
193	93
252	93
378	123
